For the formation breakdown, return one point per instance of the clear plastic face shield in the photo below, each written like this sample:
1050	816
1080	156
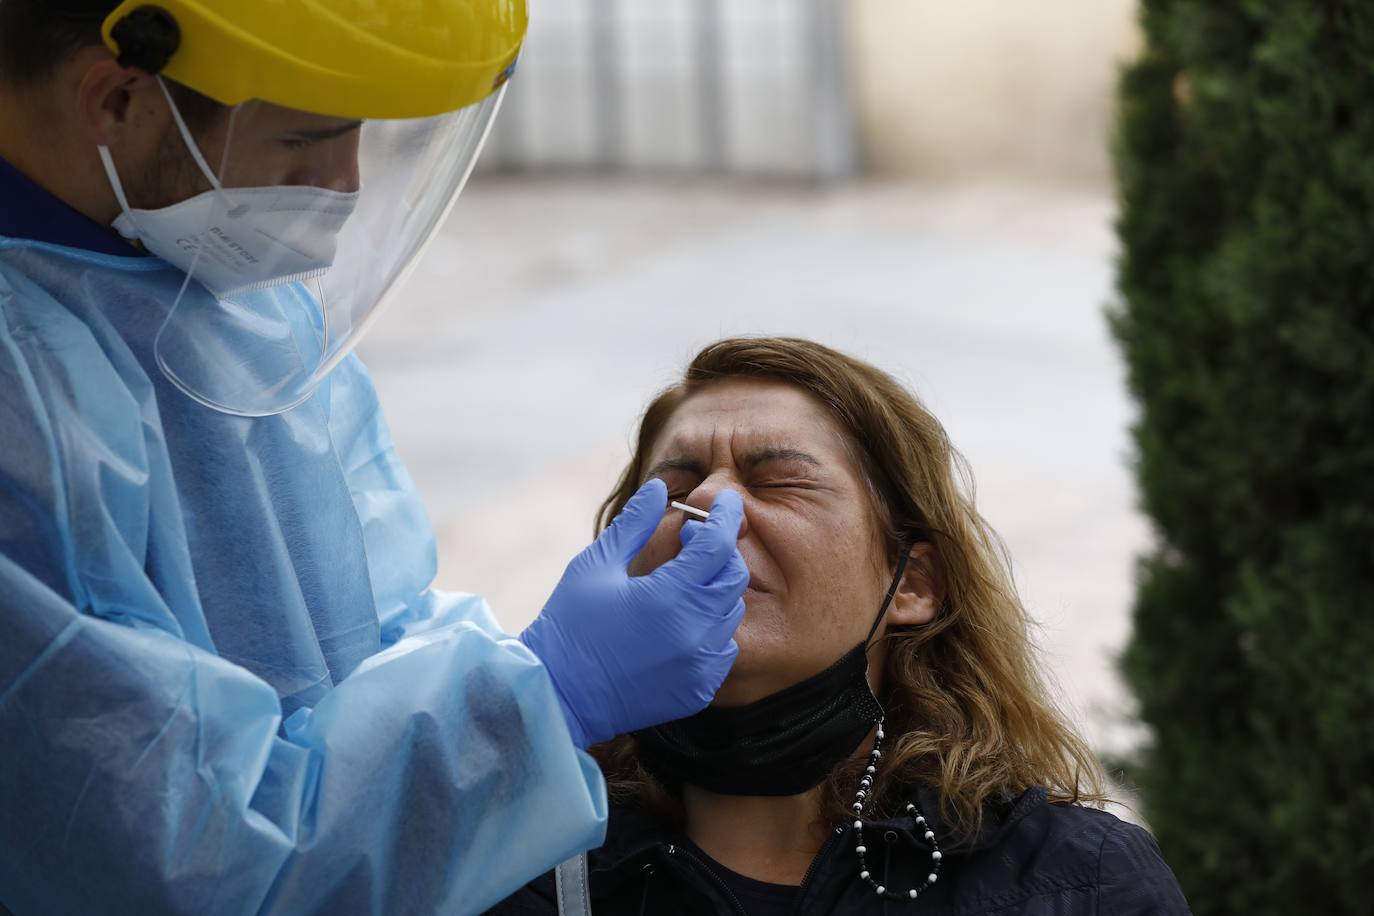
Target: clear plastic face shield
293	230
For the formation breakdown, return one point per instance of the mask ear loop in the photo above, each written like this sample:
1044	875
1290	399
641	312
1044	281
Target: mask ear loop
870	776
194	149
112	174
891	592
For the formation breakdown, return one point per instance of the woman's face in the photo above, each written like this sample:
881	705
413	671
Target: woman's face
813	543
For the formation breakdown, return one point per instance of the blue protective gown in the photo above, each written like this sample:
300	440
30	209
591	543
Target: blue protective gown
226	685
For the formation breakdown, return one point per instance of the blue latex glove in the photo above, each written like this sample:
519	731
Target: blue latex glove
626	652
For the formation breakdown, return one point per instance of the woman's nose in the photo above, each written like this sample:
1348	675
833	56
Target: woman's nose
705	494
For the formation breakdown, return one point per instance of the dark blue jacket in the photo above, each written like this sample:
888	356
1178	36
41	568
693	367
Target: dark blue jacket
1031	858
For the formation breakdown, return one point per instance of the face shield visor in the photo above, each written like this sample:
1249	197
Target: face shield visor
293	229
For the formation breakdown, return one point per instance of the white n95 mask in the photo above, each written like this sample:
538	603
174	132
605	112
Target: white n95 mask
234	240
260	237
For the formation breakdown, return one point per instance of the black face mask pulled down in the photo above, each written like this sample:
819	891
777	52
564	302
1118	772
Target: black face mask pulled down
783	744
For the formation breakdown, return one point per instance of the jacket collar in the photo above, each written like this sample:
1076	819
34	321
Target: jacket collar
30	212
1000	815
635	834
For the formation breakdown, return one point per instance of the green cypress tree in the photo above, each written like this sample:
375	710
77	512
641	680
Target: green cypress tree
1245	163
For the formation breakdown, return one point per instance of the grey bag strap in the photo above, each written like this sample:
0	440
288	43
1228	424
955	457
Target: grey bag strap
571	879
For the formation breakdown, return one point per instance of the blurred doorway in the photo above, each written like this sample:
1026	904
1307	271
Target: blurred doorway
757	88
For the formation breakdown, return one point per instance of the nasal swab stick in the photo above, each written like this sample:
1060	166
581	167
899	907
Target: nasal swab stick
691	510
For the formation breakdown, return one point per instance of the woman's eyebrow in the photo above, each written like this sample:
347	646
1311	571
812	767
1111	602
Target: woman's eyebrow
676	463
780	453
689	465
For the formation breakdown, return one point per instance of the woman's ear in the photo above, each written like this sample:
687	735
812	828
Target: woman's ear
921	593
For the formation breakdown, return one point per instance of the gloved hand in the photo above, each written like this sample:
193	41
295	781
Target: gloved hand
626	652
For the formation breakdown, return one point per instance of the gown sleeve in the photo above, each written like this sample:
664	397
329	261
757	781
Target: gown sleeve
396	528
140	772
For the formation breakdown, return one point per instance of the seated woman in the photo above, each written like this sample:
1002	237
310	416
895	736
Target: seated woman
884	738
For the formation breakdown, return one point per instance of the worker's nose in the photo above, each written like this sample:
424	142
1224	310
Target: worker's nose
332	165
347	176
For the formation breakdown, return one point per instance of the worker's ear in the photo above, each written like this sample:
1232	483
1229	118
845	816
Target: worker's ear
116	103
921	592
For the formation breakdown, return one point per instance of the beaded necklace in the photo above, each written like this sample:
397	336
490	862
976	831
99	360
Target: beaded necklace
865	786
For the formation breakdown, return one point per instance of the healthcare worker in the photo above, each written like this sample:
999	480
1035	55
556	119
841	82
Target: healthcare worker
226	685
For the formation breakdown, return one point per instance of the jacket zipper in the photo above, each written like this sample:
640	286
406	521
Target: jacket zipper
719	882
825	847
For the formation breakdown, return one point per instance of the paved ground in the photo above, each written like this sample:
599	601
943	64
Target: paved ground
551	309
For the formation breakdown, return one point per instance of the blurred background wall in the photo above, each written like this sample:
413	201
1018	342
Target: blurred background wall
921	184
761	87
988	87
819	88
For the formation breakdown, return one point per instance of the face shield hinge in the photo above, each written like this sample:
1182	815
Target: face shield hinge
147	37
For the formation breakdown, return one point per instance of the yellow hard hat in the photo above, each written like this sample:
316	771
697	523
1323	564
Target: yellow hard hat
343	58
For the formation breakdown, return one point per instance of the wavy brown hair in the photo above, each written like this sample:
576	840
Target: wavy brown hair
968	711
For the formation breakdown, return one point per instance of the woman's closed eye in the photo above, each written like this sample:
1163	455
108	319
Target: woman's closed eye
789	484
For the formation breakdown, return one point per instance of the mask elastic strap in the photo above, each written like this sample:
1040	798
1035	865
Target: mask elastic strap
891	593
115	184
191	146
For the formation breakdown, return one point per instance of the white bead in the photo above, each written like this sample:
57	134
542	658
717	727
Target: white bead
871	770
863	876
877	753
937	855
919	819
857	807
929	835
912	893
858	825
880	734
881	889
861	849
931	877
